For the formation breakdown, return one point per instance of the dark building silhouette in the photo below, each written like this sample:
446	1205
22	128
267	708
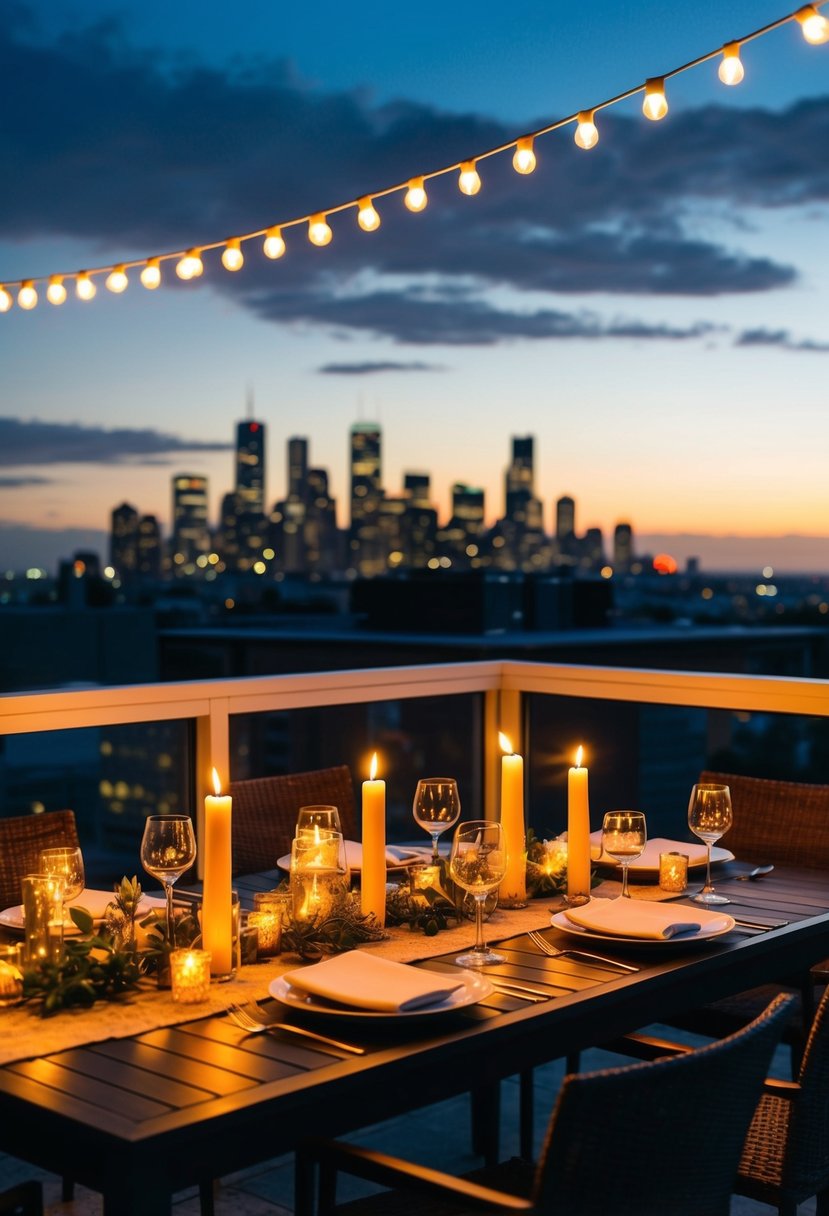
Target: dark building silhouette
150	548
622	548
191	536
367	538
123	541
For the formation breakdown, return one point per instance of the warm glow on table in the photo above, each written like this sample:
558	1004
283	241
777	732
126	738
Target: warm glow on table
217	906
578	831
190	976
373	871
513	888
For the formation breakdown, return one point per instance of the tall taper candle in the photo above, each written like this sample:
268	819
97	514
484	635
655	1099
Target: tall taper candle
217	904
512	892
578	834
373	872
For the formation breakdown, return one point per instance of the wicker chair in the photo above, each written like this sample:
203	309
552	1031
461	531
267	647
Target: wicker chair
21	840
638	1139
265	811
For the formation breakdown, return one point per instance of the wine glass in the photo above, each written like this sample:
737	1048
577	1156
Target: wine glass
477	863
168	848
318	816
436	807
709	817
66	865
624	836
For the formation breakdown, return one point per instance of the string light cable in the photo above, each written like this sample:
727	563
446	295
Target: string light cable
189	263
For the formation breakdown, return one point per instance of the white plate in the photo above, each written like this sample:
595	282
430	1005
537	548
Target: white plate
473	988
12	918
714	928
407	857
636	867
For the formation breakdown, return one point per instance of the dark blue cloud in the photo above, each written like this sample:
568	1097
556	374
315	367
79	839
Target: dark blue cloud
781	339
368	368
35	442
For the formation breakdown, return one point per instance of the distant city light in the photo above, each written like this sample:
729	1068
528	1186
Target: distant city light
663	563
768	572
707	593
607	572
109	572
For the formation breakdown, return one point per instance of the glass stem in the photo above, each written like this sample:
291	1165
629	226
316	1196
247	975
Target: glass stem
708	886
480	944
435	854
168	891
625	892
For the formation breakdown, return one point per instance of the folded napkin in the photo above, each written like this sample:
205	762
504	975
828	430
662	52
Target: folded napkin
630	918
649	859
367	982
395	854
94	902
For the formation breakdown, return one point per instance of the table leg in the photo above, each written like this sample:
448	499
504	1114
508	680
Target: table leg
147	1197
486	1121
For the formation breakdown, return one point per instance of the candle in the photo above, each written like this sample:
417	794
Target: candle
217	904
673	871
512	892
578	834
373	873
190	976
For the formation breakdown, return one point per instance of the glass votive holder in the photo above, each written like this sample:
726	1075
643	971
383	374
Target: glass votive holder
266	917
190	976
42	918
248	945
11	975
673	871
422	876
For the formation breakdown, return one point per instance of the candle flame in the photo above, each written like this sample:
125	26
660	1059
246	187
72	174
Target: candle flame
217	785
579	756
506	745
372	772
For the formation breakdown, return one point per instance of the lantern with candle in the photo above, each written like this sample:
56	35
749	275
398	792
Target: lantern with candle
318	873
512	892
578	834
217	905
373	873
190	975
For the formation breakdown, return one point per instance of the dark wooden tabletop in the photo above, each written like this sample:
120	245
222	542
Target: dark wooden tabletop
140	1117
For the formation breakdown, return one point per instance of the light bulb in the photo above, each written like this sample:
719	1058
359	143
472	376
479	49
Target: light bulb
232	256
319	232
274	245
117	280
6	300
731	70
655	105
814	25
524	159
151	274
468	181
85	289
56	292
587	133
367	216
416	196
27	296
190	266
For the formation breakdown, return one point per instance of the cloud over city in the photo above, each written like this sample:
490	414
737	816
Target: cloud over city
35	442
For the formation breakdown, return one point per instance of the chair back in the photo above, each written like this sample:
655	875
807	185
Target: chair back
22	839
806	1160
664	1136
782	821
265	812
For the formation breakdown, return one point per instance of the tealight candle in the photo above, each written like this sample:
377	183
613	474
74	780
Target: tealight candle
190	976
673	871
11	977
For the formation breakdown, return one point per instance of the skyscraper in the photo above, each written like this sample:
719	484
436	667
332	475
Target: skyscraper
191	537
297	467
367	548
250	493
123	540
149	547
622	547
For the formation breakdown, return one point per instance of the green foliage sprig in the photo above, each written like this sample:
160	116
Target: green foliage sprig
344	928
92	969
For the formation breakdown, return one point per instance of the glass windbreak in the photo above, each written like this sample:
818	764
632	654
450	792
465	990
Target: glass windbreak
112	777
414	738
647	757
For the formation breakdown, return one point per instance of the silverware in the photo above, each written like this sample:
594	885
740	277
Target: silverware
552	952
757	872
519	993
516	988
252	1022
741	923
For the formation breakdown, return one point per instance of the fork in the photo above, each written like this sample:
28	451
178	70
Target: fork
552	952
252	1023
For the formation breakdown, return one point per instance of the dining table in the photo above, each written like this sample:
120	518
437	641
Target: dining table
142	1116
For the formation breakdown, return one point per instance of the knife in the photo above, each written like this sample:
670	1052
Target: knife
519	988
741	923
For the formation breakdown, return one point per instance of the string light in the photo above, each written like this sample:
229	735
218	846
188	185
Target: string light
524	159
274	245
27	296
232	256
655	105
814	26
56	292
367	215
469	181
85	289
319	231
151	274
587	133
416	196
117	280
731	70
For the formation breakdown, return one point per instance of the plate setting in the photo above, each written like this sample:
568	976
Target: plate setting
471	989
711	926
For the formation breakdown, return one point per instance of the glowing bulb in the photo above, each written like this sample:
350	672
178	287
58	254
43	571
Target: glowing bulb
524	159
655	105
319	232
367	216
117	281
151	274
27	296
6	300
190	266
587	134
56	292
232	256
814	25
469	182
731	70
416	196
274	245
85	289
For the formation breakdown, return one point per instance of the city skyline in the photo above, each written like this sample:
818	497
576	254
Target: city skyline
653	312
